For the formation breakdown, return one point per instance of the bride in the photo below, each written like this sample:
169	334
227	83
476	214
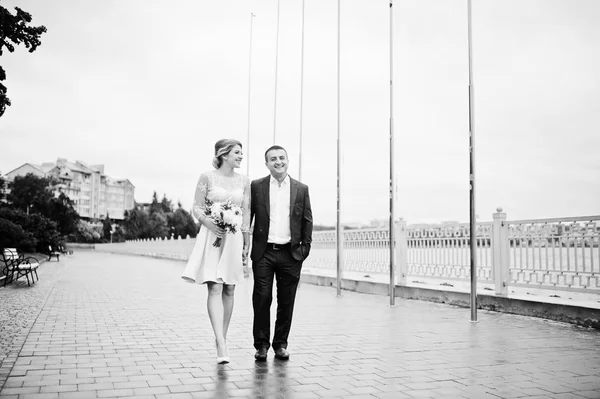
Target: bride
220	267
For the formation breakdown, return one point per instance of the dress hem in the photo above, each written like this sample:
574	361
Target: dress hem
192	281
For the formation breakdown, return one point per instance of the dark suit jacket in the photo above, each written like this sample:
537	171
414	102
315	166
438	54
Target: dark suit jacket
301	223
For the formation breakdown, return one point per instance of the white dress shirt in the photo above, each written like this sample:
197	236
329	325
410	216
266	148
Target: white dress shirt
279	213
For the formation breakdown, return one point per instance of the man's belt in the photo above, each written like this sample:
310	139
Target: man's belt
279	247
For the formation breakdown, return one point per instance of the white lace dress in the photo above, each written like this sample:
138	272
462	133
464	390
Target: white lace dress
221	264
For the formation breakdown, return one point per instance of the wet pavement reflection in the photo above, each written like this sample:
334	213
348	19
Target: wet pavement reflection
270	379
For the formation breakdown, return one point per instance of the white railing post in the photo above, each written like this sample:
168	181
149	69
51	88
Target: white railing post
500	253
401	252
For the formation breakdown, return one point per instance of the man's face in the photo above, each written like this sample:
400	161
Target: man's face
277	163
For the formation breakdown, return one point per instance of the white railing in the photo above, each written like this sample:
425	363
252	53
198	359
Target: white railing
365	250
444	251
560	253
557	254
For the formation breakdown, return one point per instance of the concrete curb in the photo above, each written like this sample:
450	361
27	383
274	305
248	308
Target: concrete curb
578	315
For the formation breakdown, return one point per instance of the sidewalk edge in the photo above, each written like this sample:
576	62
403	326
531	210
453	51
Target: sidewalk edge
578	315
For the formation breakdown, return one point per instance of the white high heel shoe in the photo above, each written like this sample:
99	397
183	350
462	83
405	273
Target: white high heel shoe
222	359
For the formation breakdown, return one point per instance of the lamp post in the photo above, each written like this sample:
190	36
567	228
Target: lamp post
301	97
249	91
276	66
392	172
338	230
472	215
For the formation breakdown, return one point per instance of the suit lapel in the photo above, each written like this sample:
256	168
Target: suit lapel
293	194
266	194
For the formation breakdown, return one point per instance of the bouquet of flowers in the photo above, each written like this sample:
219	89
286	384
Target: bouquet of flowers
226	215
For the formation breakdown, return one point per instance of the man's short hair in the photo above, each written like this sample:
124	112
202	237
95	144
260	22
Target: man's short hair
274	147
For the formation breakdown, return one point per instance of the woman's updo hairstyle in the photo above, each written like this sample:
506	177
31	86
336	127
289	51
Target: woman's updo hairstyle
223	147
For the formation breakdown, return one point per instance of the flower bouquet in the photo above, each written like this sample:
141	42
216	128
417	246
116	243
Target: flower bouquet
226	215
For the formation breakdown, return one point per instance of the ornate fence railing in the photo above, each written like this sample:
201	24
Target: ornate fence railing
558	254
444	252
365	250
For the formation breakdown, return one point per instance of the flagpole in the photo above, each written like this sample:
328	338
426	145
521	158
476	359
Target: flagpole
392	173
249	91
301	97
276	67
473	231
339	233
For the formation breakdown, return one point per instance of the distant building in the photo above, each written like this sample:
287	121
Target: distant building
95	194
380	223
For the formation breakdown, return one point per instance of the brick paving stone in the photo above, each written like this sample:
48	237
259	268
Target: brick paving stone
592	394
78	395
151	391
39	396
103	326
59	388
391	395
333	392
115	393
21	305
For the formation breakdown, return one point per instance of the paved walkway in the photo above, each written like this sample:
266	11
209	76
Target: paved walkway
98	325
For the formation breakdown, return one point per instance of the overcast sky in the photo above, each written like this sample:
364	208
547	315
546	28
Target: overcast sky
146	87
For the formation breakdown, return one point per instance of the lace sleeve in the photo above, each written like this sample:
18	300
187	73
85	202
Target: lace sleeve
246	206
200	197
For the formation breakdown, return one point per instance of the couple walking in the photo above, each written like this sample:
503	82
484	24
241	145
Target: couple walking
278	209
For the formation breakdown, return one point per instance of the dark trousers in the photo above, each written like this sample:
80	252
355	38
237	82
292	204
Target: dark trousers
281	266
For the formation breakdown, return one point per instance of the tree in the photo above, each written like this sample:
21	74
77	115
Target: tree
2	184
106	227
183	223
30	190
62	211
118	235
166	204
85	232
34	193
136	224
155	206
14	30
158	226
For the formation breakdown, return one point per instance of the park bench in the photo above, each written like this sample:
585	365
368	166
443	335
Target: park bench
53	252
65	250
16	265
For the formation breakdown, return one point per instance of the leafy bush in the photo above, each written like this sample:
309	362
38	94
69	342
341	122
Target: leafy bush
118	235
42	229
13	236
86	232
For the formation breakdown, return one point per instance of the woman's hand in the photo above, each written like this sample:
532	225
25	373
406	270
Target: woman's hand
219	232
245	263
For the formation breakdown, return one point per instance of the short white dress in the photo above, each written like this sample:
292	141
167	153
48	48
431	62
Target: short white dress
221	264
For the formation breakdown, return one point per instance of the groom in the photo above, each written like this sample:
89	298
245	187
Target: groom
280	207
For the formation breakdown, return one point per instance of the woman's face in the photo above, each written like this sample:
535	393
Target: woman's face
234	157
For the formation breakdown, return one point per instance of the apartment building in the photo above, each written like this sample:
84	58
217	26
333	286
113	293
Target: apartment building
95	194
